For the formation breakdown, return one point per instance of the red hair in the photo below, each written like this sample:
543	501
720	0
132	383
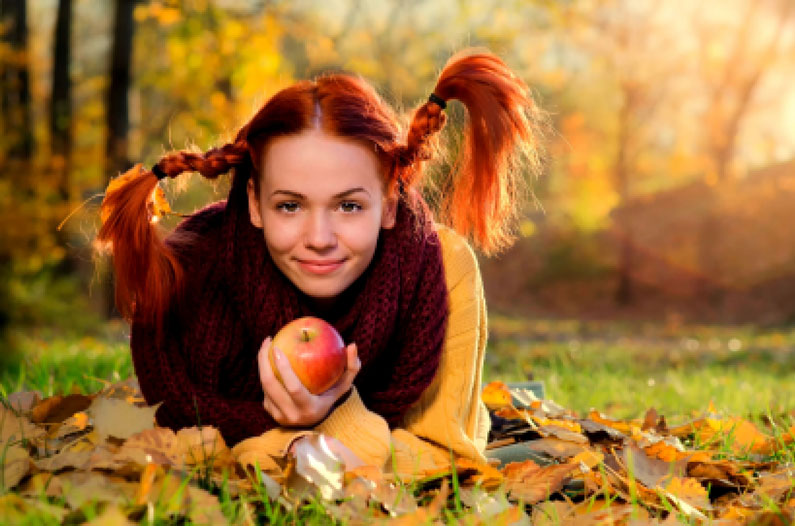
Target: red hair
486	182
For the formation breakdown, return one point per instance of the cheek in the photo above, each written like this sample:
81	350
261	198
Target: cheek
280	236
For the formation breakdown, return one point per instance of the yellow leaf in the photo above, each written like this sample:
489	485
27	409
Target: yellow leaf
496	395
690	491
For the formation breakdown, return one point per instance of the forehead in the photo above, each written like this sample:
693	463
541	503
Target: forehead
317	164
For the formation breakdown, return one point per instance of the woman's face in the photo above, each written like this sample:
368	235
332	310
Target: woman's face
321	208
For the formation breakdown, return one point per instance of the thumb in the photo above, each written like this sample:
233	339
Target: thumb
354	363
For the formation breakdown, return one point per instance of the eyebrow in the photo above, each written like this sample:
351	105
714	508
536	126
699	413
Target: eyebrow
336	196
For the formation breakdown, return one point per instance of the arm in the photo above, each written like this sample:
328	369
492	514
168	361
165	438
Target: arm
162	375
450	414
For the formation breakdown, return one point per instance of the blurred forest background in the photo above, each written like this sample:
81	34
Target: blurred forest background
670	181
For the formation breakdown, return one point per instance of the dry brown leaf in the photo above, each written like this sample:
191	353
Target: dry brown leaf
647	470
110	516
23	401
742	435
485	475
556	448
56	409
624	427
159	443
496	395
551	513
427	514
688	490
203	447
562	433
14	428
16	464
569	425
588	458
81	487
175	495
63	460
116	418
16	510
718	473
530	483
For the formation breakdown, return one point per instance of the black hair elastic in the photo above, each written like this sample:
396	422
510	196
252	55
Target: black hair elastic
438	100
159	172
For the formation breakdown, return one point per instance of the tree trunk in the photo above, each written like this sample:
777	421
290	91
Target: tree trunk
16	130
61	103
15	82
118	113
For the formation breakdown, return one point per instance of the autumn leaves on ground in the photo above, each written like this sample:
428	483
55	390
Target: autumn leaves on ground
94	456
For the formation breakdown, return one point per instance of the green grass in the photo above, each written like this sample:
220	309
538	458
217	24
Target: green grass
618	368
625	369
56	363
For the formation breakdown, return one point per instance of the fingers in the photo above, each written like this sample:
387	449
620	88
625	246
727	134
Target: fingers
278	401
346	380
292	385
354	363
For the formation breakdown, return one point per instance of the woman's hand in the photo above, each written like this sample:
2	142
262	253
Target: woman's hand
291	404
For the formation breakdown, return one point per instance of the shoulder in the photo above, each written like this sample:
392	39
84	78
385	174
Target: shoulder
204	220
198	236
460	261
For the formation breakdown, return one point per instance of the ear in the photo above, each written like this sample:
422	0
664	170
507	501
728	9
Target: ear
389	212
253	205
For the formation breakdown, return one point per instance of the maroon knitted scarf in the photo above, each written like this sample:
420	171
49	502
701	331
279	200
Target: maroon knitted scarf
396	312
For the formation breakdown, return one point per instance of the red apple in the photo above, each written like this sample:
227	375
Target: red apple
315	350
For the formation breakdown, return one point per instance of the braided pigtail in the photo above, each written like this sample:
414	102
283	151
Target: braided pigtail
501	140
147	271
422	141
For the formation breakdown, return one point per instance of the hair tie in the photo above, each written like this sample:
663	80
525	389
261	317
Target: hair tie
438	100
159	172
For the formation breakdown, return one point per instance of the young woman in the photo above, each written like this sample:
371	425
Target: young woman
325	218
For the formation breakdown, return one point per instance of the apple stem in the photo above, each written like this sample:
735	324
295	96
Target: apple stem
305	333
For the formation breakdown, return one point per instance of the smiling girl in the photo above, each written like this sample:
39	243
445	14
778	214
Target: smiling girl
325	218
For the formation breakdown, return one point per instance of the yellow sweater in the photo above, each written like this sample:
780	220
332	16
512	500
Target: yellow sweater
448	416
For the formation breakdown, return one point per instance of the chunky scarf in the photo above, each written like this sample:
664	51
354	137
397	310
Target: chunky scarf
396	312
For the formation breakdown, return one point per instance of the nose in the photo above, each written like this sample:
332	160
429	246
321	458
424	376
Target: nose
320	233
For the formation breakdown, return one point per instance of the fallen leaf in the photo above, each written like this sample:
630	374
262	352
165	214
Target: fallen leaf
56	409
588	458
496	395
116	418
110	516
688	490
741	435
556	448
203	447
624	427
530	483
15	465
647	470
15	428
24	401
317	464
427	514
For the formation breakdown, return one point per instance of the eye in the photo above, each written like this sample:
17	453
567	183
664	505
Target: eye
288	206
350	206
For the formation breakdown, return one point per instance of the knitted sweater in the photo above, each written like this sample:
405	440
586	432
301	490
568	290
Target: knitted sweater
449	414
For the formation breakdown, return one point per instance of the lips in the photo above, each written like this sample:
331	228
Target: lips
320	266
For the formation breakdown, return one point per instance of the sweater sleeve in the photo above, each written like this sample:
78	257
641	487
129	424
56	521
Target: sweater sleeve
162	376
448	416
